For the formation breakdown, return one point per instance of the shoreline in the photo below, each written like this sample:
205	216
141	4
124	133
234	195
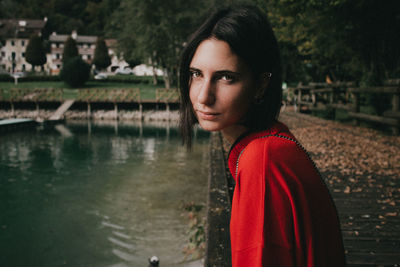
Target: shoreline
124	115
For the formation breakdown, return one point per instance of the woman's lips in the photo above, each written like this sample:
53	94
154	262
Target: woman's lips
208	116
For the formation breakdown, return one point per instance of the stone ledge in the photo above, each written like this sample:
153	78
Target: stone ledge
218	251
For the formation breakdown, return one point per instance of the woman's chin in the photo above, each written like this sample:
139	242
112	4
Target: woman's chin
210	126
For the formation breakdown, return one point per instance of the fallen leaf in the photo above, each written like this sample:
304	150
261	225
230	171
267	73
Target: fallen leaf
347	190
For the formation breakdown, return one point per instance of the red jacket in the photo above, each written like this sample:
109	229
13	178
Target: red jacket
282	212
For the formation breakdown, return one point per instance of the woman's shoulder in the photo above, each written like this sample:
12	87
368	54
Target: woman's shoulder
276	147
276	144
277	139
281	155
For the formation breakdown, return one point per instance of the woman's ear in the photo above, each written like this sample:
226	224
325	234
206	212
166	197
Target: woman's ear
262	84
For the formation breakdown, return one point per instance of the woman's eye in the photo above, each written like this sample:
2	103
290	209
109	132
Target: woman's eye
195	74
227	77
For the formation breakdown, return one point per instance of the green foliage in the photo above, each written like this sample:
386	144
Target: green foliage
35	53
39	78
75	72
6	78
344	39
8	8
29	78
133	62
155	31
101	58
88	17
70	50
197	237
131	79
378	102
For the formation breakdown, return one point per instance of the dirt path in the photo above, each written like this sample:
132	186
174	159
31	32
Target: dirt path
362	170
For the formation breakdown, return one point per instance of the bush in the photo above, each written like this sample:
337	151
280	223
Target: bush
39	78
30	78
101	58
133	79
70	50
75	72
35	53
6	78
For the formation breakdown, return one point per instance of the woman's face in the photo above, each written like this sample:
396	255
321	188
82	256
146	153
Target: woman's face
221	86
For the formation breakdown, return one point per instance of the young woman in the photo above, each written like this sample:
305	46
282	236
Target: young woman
230	81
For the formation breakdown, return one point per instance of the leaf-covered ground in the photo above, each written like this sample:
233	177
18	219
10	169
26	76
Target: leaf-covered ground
362	170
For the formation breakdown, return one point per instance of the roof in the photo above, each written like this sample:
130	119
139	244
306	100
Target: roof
20	28
111	42
79	39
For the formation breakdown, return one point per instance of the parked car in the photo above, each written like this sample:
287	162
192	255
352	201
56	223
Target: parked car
100	76
124	71
18	74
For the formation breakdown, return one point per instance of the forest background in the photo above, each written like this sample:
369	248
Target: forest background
339	40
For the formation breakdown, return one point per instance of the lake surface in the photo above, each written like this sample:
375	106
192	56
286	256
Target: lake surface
86	194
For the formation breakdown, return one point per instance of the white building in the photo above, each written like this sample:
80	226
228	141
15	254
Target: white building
145	70
15	35
14	38
86	47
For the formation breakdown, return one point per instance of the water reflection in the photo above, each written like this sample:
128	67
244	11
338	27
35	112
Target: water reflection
97	194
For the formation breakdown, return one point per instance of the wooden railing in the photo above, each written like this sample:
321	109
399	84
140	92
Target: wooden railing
109	95
167	95
389	117
346	96
35	95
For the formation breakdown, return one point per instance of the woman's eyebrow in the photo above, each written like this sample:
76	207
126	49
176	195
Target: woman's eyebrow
219	72
194	69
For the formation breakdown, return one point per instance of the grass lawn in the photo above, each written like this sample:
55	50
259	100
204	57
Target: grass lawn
147	91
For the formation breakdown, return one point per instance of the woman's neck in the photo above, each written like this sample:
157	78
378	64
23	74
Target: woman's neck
232	133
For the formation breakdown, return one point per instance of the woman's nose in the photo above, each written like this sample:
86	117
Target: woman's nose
206	94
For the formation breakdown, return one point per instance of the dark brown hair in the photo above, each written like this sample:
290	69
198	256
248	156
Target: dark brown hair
249	34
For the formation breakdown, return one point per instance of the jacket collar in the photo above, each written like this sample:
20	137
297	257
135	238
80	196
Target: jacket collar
240	144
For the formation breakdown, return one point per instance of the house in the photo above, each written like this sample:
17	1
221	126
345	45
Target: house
86	48
14	38
15	35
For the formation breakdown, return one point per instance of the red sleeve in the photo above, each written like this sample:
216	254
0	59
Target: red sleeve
282	213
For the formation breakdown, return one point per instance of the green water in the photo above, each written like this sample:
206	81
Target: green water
82	194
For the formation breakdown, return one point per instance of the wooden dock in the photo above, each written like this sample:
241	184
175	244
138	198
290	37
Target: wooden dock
361	168
61	110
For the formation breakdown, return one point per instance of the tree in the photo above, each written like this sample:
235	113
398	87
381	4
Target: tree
70	50
75	72
8	9
155	31
133	62
345	39
88	17
101	58
35	53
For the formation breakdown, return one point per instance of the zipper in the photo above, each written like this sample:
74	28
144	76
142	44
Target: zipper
284	137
